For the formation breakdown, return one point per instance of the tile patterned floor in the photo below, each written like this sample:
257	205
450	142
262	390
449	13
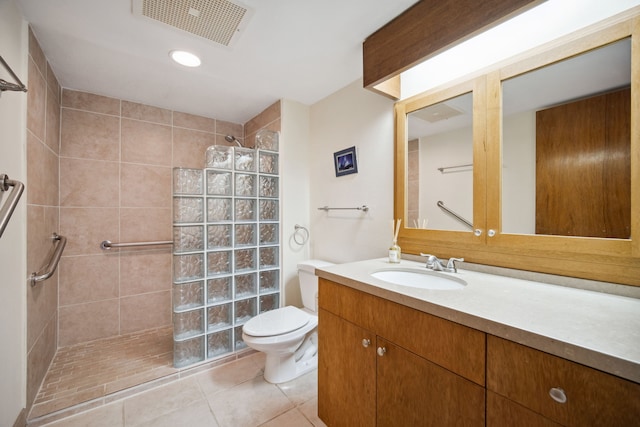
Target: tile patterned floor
130	381
89	371
231	395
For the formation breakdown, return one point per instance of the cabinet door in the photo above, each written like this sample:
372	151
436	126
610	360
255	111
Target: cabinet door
415	392
346	373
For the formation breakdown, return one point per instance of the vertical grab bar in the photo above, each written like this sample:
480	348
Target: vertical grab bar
12	201
51	266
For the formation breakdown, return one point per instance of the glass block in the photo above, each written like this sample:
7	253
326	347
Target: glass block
268	163
245	159
219	343
245	210
245	259
218	289
187	181
188	239
269	302
218	183
188	352
246	285
218	262
218	317
219	156
269	281
188	267
245	235
219	236
239	342
245	185
268	210
188	324
269	257
188	295
268	234
245	310
267	140
218	210
187	209
268	186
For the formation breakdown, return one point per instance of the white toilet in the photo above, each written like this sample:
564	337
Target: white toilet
288	335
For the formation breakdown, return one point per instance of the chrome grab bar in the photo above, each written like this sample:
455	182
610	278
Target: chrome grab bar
455	215
106	244
53	262
12	201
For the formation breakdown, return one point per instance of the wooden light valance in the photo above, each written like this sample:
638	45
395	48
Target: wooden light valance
425	29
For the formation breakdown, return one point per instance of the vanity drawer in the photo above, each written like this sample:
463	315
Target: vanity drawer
529	377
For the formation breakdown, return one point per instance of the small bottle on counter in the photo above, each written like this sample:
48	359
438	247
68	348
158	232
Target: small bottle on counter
394	253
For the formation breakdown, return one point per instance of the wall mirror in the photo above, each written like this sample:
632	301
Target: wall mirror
541	153
566	146
440	165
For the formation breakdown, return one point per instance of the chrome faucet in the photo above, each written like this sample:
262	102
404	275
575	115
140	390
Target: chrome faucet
433	263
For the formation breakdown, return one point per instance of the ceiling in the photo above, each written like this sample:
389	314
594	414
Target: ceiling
290	49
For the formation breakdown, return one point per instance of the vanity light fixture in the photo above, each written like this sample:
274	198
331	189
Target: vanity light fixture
185	58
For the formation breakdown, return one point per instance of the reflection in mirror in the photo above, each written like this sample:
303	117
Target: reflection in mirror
566	147
440	157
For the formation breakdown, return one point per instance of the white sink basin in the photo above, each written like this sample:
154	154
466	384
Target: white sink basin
420	279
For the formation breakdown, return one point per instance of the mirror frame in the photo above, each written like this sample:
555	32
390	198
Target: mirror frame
609	260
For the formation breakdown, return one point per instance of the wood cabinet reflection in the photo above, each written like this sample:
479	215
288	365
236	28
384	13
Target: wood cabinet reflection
583	167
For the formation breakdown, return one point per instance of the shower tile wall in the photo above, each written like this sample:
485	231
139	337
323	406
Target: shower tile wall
43	130
116	160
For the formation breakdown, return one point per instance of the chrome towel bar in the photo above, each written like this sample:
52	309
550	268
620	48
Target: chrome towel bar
106	244
363	208
51	266
12	200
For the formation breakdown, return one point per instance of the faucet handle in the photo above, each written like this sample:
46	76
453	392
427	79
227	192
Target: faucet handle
451	264
430	258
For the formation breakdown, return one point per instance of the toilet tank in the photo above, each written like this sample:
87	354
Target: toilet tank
309	281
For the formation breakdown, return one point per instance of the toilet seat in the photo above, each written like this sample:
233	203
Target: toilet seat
276	322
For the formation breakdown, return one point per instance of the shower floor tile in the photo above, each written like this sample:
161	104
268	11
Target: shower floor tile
89	371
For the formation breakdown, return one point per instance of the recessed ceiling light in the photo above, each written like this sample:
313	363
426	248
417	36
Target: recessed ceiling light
185	58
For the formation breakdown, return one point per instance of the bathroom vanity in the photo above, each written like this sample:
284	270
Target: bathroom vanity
500	351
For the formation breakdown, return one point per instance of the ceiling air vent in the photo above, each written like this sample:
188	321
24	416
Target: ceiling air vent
220	21
437	112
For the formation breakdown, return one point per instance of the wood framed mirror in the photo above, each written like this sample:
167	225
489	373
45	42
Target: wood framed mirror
562	199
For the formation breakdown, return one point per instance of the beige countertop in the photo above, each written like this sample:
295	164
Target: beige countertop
592	328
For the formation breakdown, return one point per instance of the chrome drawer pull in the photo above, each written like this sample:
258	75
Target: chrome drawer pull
558	395
366	342
381	351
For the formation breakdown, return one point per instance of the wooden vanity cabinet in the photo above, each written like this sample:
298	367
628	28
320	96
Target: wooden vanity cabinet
384	364
519	381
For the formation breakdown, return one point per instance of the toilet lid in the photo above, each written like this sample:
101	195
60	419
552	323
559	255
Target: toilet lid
276	322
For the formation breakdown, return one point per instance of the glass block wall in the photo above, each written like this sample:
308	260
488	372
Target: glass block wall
226	266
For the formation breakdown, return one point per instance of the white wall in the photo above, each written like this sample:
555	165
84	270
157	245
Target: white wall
519	173
13	107
294	164
454	187
350	117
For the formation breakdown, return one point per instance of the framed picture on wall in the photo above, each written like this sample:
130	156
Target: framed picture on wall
345	161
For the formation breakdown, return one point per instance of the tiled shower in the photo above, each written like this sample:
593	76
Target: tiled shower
101	168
